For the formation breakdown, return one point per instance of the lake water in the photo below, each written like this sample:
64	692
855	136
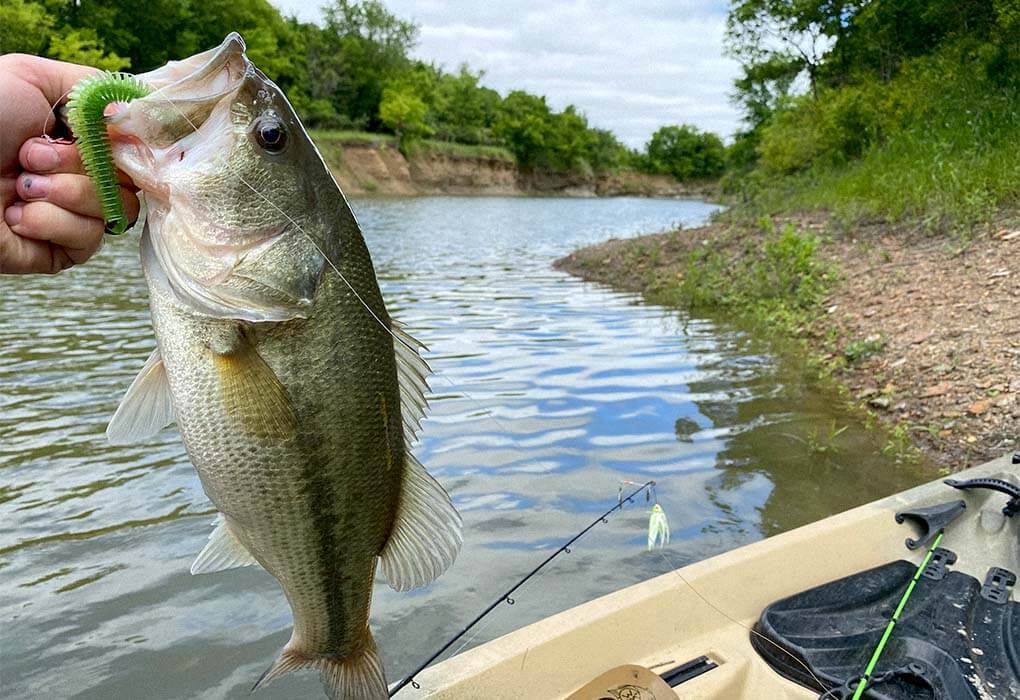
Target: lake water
549	392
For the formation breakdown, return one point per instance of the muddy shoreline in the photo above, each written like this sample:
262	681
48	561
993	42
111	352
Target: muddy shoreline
921	331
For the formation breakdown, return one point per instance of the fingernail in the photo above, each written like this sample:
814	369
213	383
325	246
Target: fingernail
13	214
42	157
33	186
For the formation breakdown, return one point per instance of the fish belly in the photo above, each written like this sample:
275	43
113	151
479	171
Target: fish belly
313	504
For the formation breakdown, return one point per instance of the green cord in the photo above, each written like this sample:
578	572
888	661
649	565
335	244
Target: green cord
862	684
85	108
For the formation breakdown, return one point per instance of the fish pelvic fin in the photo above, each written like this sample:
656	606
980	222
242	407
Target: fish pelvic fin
146	408
426	535
357	676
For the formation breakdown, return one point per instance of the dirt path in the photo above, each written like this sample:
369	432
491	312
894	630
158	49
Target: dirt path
924	332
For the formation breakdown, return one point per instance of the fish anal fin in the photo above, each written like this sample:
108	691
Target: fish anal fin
146	407
223	551
357	676
426	535
253	394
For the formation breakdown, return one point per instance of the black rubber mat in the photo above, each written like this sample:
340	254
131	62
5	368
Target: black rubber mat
951	642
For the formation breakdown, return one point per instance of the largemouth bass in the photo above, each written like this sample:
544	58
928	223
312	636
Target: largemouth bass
295	393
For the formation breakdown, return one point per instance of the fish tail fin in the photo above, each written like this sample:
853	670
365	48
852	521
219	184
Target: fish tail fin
288	660
357	676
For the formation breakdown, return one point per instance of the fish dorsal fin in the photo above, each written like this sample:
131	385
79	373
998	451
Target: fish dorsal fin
426	534
253	394
223	551
146	407
412	374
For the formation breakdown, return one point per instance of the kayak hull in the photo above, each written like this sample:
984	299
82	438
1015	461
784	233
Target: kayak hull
708	608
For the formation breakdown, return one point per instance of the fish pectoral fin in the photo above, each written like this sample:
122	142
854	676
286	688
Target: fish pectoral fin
357	676
146	407
223	551
426	534
412	374
253	394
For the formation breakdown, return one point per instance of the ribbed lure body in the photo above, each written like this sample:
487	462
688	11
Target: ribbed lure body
85	108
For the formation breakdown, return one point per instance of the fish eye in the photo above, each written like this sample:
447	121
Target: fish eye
270	134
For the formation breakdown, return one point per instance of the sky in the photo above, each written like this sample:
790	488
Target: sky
629	66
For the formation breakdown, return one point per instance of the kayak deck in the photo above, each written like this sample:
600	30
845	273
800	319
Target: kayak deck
708	608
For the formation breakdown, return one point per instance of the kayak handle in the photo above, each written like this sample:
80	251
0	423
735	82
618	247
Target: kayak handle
1002	486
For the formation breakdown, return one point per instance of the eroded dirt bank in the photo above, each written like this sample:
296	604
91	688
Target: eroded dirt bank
382	169
922	331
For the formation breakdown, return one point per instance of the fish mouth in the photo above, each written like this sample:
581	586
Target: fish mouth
155	129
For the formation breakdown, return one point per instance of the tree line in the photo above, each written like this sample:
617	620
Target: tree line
352	71
824	81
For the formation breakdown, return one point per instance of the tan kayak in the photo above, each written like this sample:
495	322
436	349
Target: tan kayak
668	637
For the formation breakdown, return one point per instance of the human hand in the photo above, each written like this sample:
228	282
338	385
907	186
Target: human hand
51	215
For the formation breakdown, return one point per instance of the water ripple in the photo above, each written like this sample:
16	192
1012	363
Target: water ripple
549	391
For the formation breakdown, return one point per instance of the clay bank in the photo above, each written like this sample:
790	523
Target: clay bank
377	166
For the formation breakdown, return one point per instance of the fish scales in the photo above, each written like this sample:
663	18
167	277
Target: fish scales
294	392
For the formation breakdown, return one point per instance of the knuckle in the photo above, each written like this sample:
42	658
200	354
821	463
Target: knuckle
74	192
69	159
35	217
14	61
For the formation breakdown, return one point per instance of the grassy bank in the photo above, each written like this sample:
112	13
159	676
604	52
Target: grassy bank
935	146
330	138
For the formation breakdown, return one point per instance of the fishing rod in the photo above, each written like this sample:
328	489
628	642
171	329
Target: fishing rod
507	597
866	677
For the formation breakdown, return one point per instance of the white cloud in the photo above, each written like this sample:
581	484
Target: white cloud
630	66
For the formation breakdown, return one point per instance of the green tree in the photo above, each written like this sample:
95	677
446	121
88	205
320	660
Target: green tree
462	109
606	153
83	46
364	46
686	153
25	27
525	126
403	110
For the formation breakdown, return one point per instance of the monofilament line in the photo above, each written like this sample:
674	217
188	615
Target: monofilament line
410	678
507	597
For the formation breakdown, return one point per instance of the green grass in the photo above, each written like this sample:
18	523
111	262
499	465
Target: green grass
937	145
777	279
327	137
352	137
936	180
466	150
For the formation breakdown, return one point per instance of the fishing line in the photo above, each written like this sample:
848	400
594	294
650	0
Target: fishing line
676	570
486	411
53	113
507	597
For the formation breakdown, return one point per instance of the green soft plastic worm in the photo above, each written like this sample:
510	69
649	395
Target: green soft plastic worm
85	107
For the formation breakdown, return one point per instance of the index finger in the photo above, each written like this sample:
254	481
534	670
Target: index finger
45	156
53	78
